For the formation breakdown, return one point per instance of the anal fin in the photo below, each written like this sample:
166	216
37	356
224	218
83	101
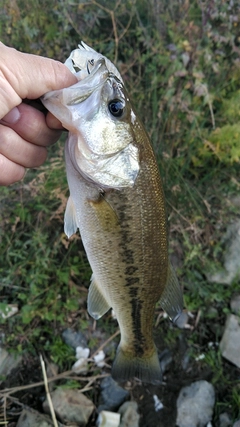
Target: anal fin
97	304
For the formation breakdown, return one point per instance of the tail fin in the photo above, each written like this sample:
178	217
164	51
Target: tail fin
147	369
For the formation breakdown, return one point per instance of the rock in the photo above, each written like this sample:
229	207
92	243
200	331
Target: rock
236	424
231	239
112	395
225	420
130	416
230	343
74	339
235	304
70	406
182	320
165	359
33	418
52	371
8	362
195	404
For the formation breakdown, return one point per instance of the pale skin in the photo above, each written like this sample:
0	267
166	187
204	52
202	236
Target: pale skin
26	132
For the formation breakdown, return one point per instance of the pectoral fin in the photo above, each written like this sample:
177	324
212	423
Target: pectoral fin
70	219
171	300
97	304
106	216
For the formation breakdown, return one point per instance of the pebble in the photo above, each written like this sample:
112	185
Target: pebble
195	404
129	415
31	418
230	343
182	320
111	395
235	304
70	406
165	359
225	420
231	239
74	339
8	362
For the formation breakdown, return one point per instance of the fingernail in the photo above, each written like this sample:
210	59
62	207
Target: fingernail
12	117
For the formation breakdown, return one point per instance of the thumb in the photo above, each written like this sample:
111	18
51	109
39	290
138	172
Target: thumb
29	76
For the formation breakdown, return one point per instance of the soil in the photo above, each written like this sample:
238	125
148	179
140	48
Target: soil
181	370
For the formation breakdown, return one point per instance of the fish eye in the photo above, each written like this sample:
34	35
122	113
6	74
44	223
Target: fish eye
116	107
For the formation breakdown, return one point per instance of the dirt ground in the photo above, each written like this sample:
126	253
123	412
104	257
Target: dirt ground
180	370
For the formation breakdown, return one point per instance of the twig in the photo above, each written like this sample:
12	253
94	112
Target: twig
55	423
64	375
106	343
114	25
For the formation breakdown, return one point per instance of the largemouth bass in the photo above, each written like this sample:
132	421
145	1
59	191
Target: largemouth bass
117	202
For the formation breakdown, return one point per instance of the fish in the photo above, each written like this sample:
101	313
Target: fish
117	203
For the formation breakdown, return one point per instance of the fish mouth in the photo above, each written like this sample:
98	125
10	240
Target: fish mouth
82	61
91	83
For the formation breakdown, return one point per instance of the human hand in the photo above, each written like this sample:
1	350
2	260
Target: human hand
25	132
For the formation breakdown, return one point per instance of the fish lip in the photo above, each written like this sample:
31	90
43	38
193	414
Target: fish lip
103	77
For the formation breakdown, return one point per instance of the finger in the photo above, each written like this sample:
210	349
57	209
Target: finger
10	172
16	149
35	76
31	126
53	122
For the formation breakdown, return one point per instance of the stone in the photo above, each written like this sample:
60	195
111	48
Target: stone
30	418
235	304
182	320
236	424
129	414
195	404
8	362
52	371
165	359
230	342
231	240
112	395
225	420
74	339
70	406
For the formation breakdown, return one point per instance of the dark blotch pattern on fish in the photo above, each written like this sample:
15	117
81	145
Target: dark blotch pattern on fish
129	271
139	340
132	279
